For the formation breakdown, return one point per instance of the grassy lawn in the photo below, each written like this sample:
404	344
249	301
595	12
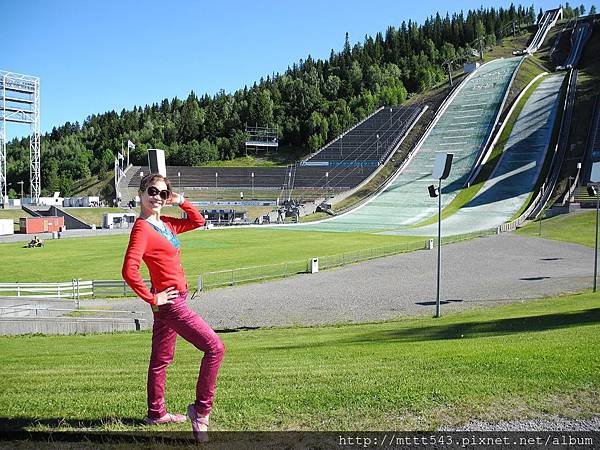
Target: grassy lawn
578	228
280	157
100	258
517	361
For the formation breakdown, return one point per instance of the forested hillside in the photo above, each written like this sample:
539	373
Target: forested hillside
311	103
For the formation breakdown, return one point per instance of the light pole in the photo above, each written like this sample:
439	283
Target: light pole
596	240
377	154
326	183
216	187
21	183
441	170
252	175
593	190
179	182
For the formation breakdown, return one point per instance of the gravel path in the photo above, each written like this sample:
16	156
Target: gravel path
557	423
482	272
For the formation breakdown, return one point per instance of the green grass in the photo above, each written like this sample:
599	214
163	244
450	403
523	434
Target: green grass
280	157
577	228
101	258
521	360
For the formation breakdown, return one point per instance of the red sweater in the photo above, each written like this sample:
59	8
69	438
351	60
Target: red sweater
160	256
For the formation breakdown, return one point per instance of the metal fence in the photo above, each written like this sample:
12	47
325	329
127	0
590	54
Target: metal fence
75	289
232	277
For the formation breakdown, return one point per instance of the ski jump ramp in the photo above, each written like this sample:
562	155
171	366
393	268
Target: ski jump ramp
462	128
517	171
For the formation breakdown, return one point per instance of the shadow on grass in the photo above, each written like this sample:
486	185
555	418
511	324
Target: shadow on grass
14	432
494	328
466	330
86	430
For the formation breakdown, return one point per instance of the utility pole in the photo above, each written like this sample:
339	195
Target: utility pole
448	65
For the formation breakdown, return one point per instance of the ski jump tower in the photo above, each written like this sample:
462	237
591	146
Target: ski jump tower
20	103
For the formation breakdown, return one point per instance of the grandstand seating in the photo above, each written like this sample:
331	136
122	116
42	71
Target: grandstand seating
341	165
370	142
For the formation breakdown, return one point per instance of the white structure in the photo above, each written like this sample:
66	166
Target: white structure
6	227
81	202
118	220
20	103
50	201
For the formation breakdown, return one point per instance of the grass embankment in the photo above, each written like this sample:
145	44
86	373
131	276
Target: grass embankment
91	186
577	228
280	157
517	361
100	258
507	45
527	72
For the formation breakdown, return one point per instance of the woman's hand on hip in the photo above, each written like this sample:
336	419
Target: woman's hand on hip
167	296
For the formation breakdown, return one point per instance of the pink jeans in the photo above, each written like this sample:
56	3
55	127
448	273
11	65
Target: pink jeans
170	321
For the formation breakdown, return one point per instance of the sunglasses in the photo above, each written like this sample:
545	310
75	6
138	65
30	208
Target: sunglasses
152	191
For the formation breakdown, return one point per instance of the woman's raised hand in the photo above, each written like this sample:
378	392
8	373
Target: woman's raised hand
175	199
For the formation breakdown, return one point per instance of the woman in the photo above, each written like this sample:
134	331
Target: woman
154	240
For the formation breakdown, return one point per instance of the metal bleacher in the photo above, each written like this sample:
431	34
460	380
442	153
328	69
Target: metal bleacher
370	142
342	164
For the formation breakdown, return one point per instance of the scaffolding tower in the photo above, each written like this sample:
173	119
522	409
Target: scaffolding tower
20	103
260	138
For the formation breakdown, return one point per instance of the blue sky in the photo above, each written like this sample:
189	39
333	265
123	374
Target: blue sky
96	56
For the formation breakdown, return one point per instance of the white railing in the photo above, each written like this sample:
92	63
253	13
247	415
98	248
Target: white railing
511	226
75	289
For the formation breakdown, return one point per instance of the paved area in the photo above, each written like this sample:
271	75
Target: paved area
482	272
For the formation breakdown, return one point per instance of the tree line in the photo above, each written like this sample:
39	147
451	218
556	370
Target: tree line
312	102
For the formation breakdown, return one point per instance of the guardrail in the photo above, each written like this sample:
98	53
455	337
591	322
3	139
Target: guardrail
118	288
75	289
513	225
232	277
